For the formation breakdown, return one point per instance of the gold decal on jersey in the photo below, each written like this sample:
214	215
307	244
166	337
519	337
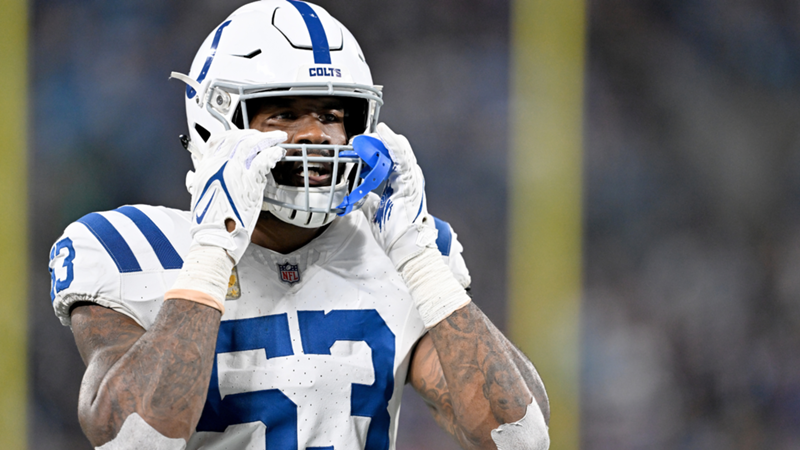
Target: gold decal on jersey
234	290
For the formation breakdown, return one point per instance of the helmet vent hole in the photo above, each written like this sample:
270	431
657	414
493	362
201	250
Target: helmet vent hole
252	54
293	215
204	134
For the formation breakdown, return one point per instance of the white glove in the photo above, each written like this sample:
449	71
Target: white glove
400	222
399	218
229	184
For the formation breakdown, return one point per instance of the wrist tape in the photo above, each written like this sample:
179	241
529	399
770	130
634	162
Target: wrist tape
530	432
204	277
435	290
136	434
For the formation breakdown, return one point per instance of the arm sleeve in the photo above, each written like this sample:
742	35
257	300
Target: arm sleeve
123	259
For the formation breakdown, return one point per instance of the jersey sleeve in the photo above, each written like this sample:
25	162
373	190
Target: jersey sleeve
123	259
450	248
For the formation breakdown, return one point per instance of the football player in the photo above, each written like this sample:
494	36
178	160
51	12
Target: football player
288	307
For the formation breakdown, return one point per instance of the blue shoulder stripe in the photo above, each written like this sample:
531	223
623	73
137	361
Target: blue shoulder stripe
445	237
319	41
169	258
113	242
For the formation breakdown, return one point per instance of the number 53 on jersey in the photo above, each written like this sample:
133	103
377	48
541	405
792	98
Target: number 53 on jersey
257	378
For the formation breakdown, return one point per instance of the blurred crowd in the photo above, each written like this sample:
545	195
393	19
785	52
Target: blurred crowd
691	318
692	243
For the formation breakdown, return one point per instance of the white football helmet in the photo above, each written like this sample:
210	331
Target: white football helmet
276	48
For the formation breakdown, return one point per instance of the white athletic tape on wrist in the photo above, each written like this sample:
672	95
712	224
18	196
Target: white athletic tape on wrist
204	277
136	434
435	290
530	432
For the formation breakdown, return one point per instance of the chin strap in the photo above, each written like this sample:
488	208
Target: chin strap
188	144
376	157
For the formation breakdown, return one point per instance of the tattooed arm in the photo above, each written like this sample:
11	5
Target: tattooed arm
473	378
162	373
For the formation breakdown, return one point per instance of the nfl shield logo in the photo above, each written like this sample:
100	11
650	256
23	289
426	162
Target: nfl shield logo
290	273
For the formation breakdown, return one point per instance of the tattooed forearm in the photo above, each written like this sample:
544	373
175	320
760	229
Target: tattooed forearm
487	382
428	379
432	386
532	379
162	374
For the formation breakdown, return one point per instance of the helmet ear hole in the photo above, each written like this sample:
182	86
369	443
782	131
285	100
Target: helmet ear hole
204	134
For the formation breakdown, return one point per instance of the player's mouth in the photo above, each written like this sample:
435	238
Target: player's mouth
293	174
319	174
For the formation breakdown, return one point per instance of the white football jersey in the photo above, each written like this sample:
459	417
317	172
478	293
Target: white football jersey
314	345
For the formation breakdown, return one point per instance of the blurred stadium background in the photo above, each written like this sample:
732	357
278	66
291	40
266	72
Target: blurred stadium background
689	324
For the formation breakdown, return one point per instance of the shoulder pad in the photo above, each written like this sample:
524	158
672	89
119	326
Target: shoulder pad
100	255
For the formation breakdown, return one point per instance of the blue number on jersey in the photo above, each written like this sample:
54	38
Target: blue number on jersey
271	406
319	331
57	285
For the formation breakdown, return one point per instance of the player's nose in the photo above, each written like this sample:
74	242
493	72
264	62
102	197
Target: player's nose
309	130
